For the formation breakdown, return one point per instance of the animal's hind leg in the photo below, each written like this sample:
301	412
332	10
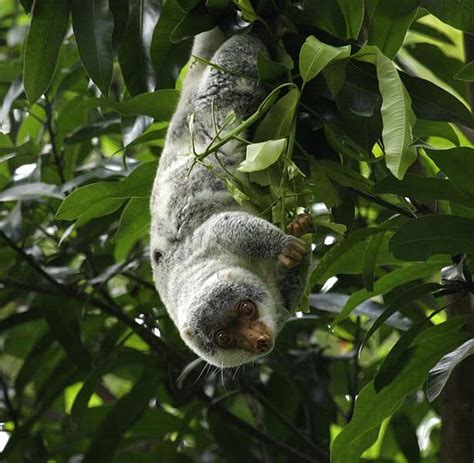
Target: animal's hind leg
232	85
205	45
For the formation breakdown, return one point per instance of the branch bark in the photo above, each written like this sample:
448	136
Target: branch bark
457	402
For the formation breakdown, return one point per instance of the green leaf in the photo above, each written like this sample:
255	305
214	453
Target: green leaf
191	25
93	26
10	71
389	24
134	225
64	325
388	282
400	354
268	70
401	302
353	11
398	118
405	435
323	187
259	156
48	28
248	12
424	129
432	103
156	136
345	176
373	407
440	373
116	359
34	190
163	52
343	144
316	55
457	13
278	121
137	185
466	73
431	32
160	104
323	15
426	236
370	259
335	77
328	264
458	165
441	65
423	189
123	416
134	48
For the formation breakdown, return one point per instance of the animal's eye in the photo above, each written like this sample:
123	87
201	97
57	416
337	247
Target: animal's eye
246	308
223	339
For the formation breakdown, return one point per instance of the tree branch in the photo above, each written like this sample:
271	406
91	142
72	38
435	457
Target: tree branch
318	450
154	342
249	429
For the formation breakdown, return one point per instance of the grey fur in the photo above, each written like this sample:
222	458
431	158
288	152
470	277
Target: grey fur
207	252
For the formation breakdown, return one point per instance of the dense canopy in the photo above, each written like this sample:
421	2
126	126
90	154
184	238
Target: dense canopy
368	124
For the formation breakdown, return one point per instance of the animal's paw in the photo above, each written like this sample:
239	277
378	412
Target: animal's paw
293	252
300	225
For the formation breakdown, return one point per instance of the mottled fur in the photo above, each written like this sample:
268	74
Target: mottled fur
207	251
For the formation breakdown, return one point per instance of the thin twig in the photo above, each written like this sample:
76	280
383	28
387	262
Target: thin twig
154	342
31	261
354	378
317	449
249	429
52	137
139	280
12	413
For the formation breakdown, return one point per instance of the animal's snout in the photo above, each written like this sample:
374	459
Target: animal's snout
255	337
263	344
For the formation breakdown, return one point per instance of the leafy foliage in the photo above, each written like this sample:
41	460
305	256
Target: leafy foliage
367	123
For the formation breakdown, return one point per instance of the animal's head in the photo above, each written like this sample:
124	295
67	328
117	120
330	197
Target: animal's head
234	319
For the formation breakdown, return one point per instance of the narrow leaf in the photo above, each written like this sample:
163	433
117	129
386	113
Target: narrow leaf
137	184
389	24
373	407
401	302
160	104
466	73
388	282
134	49
163	52
134	224
353	11
398	118
458	165
48	27
93	26
123	416
440	373
370	258
432	103
457	13
426	236
328	263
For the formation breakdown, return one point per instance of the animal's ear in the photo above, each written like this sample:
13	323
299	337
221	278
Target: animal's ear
186	331
228	274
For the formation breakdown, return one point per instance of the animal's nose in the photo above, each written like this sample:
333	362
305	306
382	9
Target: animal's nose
263	343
